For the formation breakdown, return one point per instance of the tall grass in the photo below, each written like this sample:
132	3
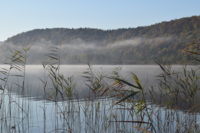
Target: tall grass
125	106
180	89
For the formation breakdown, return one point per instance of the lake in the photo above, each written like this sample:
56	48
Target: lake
33	108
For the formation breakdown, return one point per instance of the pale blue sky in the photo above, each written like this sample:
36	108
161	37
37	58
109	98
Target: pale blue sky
22	15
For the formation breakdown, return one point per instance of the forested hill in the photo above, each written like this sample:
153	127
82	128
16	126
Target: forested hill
140	45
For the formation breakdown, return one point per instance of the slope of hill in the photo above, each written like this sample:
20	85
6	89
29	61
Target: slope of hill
142	45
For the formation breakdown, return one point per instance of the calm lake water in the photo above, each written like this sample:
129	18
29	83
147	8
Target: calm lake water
30	110
35	74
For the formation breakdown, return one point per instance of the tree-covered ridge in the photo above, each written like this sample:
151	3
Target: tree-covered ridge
63	35
141	45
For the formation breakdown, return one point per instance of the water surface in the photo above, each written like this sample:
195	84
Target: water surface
30	111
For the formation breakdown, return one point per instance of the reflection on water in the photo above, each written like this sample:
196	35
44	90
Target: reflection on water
29	111
30	116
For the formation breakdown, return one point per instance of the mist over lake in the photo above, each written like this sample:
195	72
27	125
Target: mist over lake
140	45
102	66
35	73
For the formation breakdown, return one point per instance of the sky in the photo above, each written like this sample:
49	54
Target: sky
18	16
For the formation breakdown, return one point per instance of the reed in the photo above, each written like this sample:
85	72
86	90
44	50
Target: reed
115	104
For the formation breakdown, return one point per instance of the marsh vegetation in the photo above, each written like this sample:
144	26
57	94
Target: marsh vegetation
58	98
